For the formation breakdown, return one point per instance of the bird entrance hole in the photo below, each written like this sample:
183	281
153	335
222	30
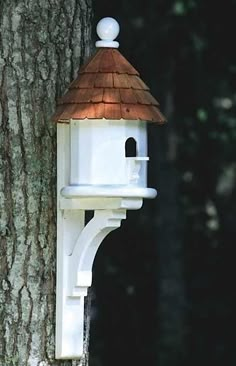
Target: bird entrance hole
130	148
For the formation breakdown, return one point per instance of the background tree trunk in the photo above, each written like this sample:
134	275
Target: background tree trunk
171	314
42	44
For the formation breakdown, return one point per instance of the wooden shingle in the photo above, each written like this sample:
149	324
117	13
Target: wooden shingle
109	87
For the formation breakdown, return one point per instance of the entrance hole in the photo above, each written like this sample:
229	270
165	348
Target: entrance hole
130	148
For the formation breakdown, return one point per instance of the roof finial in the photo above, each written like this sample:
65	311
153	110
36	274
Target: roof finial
108	29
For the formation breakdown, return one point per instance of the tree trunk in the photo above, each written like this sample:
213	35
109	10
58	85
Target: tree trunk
42	44
171	345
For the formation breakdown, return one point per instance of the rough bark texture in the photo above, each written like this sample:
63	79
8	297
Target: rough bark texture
42	44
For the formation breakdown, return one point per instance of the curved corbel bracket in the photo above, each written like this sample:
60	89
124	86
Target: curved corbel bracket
77	247
87	244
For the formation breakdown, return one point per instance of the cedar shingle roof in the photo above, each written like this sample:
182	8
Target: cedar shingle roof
108	87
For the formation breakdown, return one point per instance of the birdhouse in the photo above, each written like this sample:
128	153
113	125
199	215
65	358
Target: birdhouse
101	167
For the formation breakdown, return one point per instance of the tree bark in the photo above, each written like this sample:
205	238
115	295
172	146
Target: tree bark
42	43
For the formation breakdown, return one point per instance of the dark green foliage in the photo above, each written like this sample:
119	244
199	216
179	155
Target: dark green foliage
165	283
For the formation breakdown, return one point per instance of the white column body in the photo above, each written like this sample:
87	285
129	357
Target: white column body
98	153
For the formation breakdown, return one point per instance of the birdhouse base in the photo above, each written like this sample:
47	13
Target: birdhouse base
108	191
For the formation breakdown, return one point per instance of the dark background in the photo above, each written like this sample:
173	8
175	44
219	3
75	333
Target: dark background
164	284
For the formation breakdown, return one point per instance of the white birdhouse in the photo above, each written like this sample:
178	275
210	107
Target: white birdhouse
101	166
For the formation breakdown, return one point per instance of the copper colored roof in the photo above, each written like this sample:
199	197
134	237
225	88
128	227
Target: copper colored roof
108	87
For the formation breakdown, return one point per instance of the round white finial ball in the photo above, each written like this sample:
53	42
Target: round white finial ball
107	30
